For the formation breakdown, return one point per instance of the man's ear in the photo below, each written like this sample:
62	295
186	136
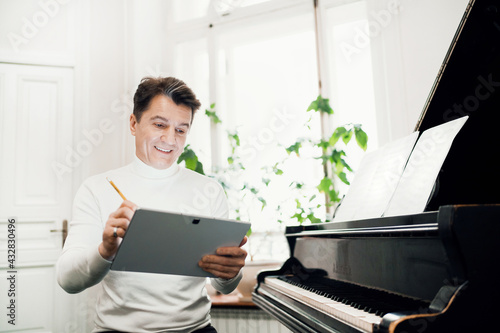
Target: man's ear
133	124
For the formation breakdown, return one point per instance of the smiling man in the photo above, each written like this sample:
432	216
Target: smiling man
137	302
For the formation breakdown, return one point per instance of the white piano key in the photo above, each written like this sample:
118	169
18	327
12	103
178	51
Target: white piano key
356	317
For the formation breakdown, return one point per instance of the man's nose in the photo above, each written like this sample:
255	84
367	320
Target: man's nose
168	136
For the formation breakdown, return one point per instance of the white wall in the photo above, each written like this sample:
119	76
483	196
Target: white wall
407	55
104	83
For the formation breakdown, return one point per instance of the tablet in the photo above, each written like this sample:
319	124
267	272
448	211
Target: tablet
172	243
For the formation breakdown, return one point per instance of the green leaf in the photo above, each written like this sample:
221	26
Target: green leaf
199	168
313	105
212	114
323	144
191	163
338	163
336	156
298	185
324	185
189	157
263	201
336	135
343	178
313	218
334	197
341	165
361	137
277	171
294	148
321	104
233	137
347	136
213	117
297	203
298	216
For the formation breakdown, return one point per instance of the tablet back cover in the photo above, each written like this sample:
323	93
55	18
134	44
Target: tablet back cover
171	243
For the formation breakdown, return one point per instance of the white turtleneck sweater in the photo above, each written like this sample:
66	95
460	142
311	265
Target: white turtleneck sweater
140	302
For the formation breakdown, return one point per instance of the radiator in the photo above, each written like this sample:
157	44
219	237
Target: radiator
245	321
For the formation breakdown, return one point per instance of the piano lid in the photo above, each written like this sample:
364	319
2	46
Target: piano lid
468	83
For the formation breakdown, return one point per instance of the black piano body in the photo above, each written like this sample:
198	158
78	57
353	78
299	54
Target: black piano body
427	272
430	272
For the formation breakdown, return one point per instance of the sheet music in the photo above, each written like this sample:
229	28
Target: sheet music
375	180
415	187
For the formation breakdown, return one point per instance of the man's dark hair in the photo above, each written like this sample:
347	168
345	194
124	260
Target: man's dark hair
171	87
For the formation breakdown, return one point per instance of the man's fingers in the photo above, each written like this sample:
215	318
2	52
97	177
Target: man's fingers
124	211
120	223
129	204
223	261
222	271
120	231
115	229
223	275
232	251
244	241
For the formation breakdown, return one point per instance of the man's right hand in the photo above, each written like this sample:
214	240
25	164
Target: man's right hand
120	220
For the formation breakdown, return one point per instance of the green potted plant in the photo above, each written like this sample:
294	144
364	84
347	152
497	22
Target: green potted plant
307	208
333	162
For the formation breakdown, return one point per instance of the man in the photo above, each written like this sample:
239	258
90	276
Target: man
138	302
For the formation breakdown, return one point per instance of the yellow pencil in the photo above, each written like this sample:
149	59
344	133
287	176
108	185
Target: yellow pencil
116	188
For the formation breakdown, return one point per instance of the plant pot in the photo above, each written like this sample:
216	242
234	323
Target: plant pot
249	279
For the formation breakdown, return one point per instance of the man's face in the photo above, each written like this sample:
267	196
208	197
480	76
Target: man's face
161	133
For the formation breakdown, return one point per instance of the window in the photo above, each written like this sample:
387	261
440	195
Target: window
267	80
350	72
260	70
191	64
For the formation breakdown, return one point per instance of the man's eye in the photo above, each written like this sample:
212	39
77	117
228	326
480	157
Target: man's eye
181	131
159	125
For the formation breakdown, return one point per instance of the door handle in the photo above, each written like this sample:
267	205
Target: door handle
64	231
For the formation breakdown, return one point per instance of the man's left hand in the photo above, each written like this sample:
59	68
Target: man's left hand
227	261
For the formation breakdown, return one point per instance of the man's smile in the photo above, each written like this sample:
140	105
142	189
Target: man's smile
163	150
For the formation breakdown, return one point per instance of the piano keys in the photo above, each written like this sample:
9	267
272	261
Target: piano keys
425	272
344	302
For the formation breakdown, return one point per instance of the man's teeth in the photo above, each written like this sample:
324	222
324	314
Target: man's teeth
163	150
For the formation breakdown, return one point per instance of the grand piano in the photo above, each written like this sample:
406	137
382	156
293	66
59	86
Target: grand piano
426	272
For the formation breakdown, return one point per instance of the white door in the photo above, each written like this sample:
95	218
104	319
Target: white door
36	130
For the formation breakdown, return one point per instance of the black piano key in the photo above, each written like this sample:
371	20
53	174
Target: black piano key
370	300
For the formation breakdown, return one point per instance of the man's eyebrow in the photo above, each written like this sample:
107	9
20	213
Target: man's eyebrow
158	117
